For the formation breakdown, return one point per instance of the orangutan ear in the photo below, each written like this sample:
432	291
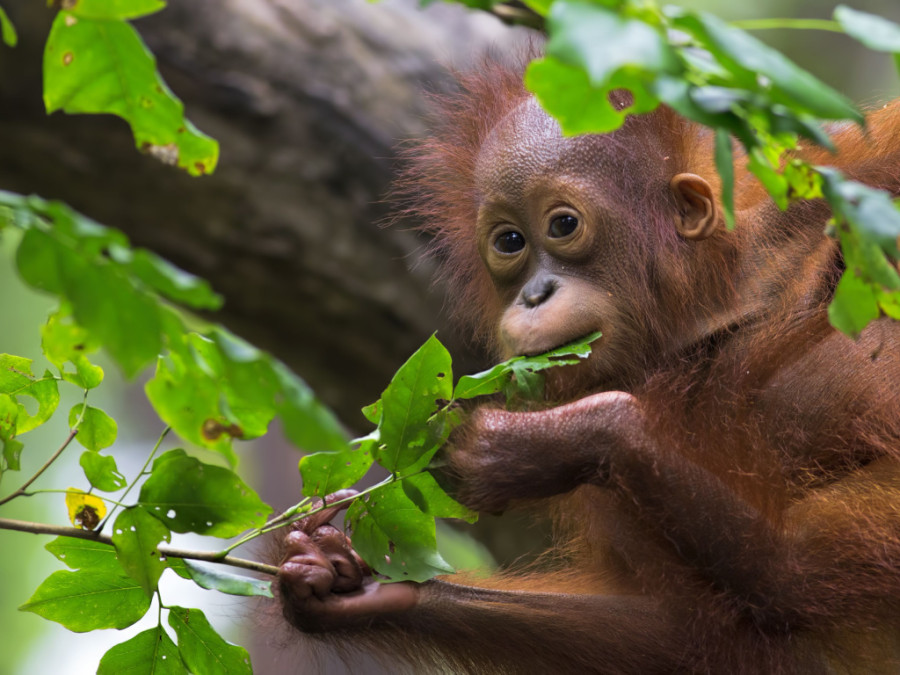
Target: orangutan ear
698	215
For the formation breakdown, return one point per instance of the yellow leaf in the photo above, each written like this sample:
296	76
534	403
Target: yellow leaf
85	511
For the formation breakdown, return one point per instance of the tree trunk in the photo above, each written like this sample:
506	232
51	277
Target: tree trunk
308	99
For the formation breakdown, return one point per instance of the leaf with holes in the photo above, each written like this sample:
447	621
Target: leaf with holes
149	653
17	380
101	471
191	496
421	385
85	554
136	536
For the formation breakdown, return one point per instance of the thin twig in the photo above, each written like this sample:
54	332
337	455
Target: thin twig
53	458
171	551
152	454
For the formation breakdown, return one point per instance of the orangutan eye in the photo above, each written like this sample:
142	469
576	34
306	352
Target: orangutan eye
509	242
562	226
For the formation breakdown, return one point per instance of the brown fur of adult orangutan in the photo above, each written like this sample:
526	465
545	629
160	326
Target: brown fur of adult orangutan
723	469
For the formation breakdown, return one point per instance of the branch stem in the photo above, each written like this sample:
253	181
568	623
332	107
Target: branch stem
21	491
172	551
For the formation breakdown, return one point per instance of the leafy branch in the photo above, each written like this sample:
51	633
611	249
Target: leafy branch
211	388
168	551
720	76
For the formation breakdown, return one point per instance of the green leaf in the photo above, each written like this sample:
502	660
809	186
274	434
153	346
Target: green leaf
94	65
178	566
7	30
97	429
707	105
226	582
874	31
85	554
63	340
136	536
431	499
306	421
9	414
102	471
326	472
187	399
89	600
394	537
756	66
114	9
149	653
592	51
201	647
372	412
412	397
725	167
565	92
16	380
542	7
124	319
603	42
870	211
855	304
217	387
774	182
190	496
12	451
37	260
167	279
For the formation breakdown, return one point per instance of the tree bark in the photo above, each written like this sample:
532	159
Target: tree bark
308	99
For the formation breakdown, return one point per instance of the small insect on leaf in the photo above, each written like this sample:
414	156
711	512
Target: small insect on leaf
85	511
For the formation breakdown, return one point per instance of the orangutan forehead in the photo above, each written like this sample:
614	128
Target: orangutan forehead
528	144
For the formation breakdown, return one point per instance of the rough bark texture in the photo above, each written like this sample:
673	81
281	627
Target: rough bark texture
309	99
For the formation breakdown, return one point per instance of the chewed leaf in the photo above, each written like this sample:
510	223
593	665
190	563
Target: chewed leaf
497	378
17	381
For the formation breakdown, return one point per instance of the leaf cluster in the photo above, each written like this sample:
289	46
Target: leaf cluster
719	75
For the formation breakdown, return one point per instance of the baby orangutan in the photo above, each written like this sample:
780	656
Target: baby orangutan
723	471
